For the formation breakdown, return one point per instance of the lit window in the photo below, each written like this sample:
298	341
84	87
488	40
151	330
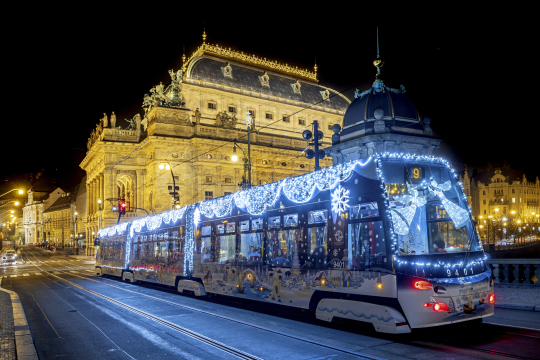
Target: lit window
269	116
232	109
208	195
212	105
228	180
301	122
208	179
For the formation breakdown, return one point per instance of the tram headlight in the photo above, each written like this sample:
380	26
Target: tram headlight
379	285
422	285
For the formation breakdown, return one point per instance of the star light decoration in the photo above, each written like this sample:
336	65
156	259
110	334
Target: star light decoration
340	200
435	160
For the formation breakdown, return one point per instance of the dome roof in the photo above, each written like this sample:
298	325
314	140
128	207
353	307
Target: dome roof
393	102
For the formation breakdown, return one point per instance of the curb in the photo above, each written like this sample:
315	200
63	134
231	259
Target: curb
518	307
24	344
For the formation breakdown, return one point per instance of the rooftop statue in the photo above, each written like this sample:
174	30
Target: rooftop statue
135	123
105	120
168	96
113	120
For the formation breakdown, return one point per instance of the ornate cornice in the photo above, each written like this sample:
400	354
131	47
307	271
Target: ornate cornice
216	50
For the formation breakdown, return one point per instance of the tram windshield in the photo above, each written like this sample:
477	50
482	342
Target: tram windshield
428	209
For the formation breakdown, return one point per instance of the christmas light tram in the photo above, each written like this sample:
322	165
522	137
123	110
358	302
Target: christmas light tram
387	240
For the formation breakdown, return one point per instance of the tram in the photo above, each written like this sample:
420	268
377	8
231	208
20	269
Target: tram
387	240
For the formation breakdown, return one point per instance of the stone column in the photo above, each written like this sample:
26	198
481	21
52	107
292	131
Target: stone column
98	192
102	191
87	200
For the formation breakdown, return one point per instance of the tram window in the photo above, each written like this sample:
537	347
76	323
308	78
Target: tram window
437	211
226	249
206	250
274	222
444	237
250	248
366	246
230	227
244	225
138	251
317	217
282	246
161	251
206	230
290	220
220	228
257	224
366	210
317	240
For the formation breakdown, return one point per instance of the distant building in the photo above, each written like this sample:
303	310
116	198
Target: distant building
38	202
497	190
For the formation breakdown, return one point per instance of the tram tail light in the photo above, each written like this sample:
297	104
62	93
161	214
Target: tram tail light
440	307
428	304
422	285
492	299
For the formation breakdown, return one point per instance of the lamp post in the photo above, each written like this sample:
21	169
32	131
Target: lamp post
247	168
248	120
174	187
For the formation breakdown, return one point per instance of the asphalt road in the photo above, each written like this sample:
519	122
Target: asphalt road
75	315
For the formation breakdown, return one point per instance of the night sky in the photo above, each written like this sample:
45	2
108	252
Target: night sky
71	68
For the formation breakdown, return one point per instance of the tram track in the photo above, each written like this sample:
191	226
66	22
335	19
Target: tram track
432	343
197	336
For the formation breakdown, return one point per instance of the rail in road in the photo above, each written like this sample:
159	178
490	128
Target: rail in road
481	341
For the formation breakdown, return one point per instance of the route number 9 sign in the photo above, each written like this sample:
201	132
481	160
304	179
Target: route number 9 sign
414	174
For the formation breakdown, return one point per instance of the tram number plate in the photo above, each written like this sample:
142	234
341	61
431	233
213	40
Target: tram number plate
338	263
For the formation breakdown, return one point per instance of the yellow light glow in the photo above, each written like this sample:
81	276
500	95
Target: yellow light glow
519	221
12	211
481	217
76	213
161	166
481	226
513	212
16	203
99	201
379	285
177	206
490	216
504	224
167	167
234	158
11	215
21	192
497	209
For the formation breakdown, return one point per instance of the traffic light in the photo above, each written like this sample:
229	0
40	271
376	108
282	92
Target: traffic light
123	207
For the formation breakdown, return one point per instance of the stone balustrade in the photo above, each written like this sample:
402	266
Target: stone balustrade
515	271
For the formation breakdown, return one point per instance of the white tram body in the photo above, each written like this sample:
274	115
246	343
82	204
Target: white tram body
387	240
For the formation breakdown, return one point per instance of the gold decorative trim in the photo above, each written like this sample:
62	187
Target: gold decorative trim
216	50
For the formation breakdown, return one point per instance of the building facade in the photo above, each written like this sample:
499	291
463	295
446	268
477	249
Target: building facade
188	133
59	221
37	203
497	190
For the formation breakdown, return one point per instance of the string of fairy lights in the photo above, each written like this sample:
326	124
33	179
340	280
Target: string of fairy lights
301	189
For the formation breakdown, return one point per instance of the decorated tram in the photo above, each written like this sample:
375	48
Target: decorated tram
388	240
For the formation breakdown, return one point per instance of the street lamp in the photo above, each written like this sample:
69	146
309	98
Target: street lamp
19	190
174	188
245	184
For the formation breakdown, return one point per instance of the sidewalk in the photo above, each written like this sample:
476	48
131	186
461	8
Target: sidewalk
16	341
508	296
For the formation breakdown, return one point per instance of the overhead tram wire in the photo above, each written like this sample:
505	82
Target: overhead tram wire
227	142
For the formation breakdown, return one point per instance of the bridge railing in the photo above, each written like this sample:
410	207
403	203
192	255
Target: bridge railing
515	271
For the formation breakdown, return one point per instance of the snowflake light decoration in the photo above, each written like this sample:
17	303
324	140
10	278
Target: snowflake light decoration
340	200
